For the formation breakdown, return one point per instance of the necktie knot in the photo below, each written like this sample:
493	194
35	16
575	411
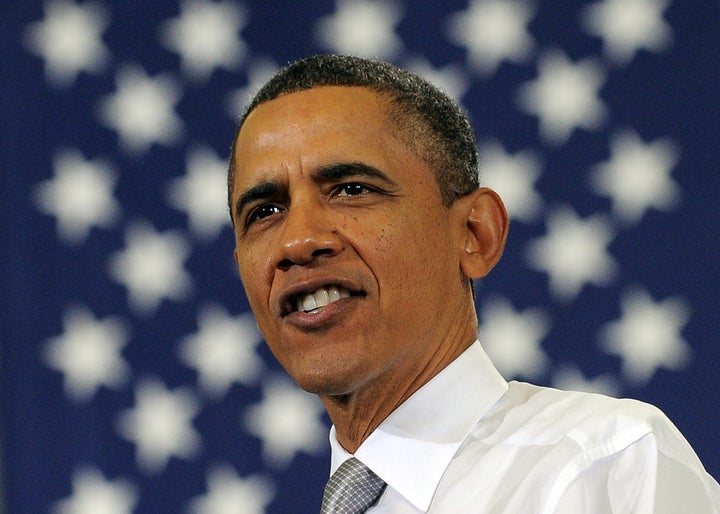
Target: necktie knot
352	489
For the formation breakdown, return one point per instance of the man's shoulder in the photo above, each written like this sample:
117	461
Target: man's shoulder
537	415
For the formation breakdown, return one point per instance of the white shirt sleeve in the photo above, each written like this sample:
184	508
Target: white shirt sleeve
641	480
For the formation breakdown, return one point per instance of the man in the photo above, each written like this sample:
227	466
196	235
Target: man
359	227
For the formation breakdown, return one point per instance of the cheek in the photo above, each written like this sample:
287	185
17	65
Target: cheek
377	239
254	276
416	247
395	252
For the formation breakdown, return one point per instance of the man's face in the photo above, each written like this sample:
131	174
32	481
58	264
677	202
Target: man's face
348	257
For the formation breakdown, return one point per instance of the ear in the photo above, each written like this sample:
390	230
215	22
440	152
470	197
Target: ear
485	232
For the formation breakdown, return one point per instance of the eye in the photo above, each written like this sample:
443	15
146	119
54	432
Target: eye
261	212
352	189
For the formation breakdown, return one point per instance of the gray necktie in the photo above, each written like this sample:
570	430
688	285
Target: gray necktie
352	489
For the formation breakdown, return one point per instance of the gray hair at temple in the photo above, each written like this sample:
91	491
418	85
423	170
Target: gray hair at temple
427	120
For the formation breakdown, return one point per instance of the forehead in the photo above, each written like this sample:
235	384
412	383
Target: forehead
322	123
314	109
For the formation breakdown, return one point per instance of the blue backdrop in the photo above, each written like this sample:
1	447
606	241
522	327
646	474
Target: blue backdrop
133	377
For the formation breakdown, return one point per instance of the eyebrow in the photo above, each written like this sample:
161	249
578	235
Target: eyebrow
342	170
260	191
329	173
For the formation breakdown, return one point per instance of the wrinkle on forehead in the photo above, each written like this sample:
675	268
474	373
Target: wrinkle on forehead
295	117
341	104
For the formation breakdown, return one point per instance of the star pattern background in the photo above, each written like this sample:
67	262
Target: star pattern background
133	377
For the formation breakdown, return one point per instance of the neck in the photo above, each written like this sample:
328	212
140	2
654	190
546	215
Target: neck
357	414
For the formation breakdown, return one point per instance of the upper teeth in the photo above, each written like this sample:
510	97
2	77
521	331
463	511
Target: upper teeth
321	297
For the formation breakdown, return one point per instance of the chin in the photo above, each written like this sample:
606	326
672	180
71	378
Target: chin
321	386
326	382
328	371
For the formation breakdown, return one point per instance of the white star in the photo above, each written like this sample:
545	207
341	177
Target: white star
88	353
287	420
142	110
206	36
229	494
564	96
92	494
223	350
626	26
569	378
647	336
69	40
258	73
151	267
493	31
513	177
512	339
79	195
160	425
202	193
365	28
450	78
573	252
637	176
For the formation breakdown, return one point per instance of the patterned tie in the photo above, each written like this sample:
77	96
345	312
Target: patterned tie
352	489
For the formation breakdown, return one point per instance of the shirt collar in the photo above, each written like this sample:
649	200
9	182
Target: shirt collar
412	447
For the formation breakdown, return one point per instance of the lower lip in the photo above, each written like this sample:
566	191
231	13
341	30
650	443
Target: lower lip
321	318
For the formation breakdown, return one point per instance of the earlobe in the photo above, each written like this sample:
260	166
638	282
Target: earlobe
486	228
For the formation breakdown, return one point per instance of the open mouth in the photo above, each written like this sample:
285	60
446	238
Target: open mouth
321	297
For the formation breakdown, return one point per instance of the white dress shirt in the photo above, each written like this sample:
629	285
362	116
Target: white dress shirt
470	442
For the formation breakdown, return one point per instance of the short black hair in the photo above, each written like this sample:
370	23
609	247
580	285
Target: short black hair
428	121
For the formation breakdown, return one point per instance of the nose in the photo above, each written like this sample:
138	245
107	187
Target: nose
308	233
